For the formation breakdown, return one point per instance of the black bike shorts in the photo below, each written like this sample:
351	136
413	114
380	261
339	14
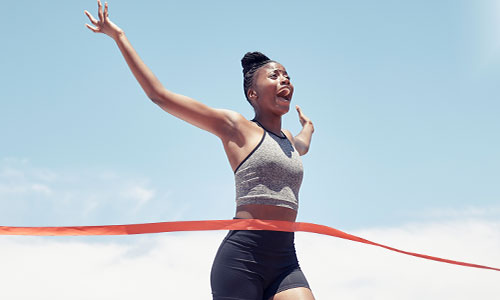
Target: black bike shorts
255	265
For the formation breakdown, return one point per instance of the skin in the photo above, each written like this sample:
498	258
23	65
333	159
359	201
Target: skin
269	95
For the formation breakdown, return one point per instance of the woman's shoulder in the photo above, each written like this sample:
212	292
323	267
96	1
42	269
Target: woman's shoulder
288	134
237	125
237	120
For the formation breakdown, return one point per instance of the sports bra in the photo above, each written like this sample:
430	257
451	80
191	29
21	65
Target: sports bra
271	174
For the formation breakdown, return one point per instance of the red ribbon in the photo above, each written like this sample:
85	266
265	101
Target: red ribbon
236	224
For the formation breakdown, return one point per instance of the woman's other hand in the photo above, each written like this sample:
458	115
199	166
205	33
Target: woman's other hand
304	120
104	24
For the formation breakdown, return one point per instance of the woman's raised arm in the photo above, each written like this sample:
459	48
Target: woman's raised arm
217	121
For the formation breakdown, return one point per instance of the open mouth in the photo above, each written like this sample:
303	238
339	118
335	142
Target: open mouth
285	93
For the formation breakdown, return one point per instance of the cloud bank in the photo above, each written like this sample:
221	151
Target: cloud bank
177	265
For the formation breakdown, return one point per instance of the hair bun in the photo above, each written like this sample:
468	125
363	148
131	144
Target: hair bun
252	59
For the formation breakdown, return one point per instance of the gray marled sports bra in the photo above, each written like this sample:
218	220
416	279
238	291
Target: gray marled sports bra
271	174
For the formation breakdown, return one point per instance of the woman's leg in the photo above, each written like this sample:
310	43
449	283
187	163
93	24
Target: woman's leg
235	273
300	293
292	284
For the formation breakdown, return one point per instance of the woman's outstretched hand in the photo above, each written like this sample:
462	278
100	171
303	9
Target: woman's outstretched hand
302	141
304	120
104	24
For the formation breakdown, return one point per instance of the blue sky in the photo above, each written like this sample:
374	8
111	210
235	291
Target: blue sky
404	97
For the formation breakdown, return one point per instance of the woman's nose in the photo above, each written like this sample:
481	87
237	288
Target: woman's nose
285	80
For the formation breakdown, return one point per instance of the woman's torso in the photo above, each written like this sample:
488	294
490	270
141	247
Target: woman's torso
238	150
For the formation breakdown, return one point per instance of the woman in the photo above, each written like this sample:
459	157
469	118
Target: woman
268	172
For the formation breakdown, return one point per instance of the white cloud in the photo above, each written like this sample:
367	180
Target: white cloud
343	270
177	266
7	172
139	193
159	267
469	211
41	188
18	179
34	196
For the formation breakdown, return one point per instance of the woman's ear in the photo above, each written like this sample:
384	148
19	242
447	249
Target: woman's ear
252	95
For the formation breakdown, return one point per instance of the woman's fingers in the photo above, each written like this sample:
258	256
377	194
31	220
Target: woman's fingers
100	13
301	115
106	10
299	110
103	24
94	29
91	18
302	118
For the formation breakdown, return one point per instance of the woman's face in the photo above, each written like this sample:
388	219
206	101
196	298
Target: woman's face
272	90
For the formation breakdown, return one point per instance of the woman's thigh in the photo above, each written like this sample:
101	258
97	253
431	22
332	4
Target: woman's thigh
235	273
300	293
255	265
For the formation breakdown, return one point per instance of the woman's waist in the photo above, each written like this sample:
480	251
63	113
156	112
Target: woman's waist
266	212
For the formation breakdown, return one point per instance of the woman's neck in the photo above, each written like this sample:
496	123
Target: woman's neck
272	124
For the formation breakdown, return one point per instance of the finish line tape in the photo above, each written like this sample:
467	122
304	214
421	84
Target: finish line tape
236	224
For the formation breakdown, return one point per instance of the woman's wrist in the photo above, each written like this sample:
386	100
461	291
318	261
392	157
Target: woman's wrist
309	125
117	35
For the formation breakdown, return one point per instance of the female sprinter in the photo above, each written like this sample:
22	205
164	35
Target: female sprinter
250	264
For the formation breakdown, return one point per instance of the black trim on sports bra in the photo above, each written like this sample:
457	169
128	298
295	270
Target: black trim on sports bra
250	154
281	137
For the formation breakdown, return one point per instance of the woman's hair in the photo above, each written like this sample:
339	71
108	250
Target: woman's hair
251	62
